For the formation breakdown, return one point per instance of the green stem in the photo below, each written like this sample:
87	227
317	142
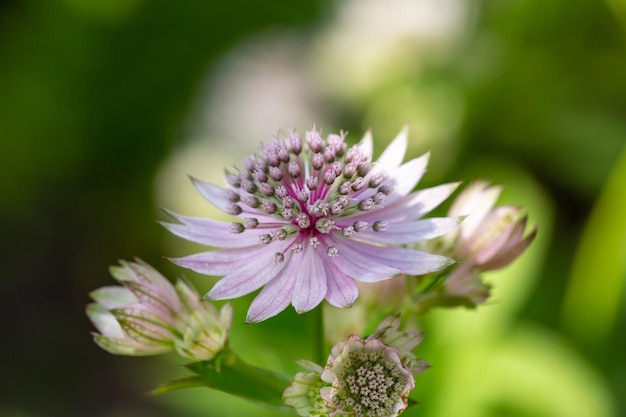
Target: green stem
319	345
229	373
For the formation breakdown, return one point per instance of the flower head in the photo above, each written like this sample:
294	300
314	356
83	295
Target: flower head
362	377
313	215
147	316
368	379
489	238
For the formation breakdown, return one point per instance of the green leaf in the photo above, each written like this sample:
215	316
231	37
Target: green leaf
594	296
177	384
228	373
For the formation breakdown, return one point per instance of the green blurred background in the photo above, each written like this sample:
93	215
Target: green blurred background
107	105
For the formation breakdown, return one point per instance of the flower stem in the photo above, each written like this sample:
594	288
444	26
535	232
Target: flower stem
319	345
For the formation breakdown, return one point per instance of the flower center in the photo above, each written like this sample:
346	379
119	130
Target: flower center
370	385
302	188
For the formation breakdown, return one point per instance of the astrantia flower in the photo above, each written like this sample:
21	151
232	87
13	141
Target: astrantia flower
312	216
368	379
362	377
489	238
147	315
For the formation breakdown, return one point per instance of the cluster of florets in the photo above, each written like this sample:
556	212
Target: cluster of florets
368	379
305	185
362	378
147	315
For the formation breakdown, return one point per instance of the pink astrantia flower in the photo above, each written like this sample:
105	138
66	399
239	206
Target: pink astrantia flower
362	377
312	216
147	315
491	237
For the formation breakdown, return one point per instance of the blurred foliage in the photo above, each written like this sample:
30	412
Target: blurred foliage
96	95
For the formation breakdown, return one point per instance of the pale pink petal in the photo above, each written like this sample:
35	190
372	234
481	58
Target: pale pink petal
407	261
367	143
220	262
113	297
212	233
147	284
250	277
276	295
410	207
342	289
410	232
310	281
104	321
510	252
405	177
213	194
475	202
354	264
392	156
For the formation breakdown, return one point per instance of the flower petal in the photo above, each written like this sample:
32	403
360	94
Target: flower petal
408	261
212	233
310	280
113	297
410	232
357	266
275	296
475	202
342	290
392	156
405	177
221	262
366	144
104	321
213	194
250	277
410	207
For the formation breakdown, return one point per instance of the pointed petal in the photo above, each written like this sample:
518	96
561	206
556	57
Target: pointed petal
393	155
475	202
221	262
275	296
126	347
142	325
310	288
215	195
355	265
405	177
212	233
410	207
367	143
410	232
342	290
147	284
256	273
113	297
408	261
104	321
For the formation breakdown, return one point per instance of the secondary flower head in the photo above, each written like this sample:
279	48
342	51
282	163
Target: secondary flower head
489	238
147	316
313	215
368	379
362	377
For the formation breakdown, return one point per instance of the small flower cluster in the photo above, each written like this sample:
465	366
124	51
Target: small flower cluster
369	377
489	238
147	315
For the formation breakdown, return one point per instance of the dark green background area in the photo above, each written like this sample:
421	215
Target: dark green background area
95	95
